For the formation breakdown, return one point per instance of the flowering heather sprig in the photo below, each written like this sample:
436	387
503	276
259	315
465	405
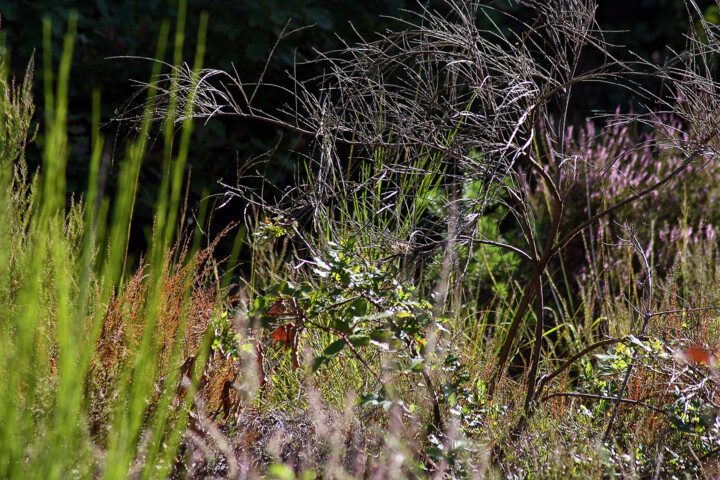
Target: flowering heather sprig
607	165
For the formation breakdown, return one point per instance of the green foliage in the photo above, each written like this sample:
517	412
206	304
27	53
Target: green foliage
491	269
359	304
60	283
226	340
274	229
90	355
16	117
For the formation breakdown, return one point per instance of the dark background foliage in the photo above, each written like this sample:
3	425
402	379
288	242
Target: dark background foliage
242	33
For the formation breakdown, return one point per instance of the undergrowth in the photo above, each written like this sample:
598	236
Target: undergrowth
351	356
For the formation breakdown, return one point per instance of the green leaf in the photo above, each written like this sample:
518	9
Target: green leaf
416	365
334	348
259	305
340	324
374	399
370	399
375	316
359	340
304	290
350	244
288	288
435	453
274	290
679	424
318	362
358	307
381	336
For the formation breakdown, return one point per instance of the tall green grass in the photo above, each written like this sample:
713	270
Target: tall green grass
63	276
